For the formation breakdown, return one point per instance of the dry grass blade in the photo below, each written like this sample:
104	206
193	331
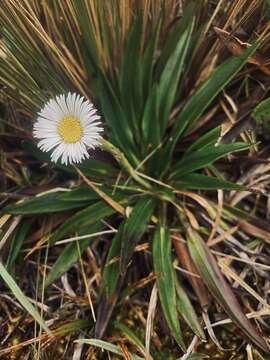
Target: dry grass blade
104	196
229	273
150	320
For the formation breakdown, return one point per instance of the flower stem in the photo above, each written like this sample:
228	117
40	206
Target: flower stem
122	160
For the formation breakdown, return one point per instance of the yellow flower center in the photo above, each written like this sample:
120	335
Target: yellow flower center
70	129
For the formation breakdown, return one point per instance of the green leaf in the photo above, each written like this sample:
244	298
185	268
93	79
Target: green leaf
261	114
148	60
204	157
111	284
134	229
130	85
187	311
118	123
111	271
70	255
80	193
90	215
197	356
71	327
217	285
166	281
202	98
53	202
170	76
262	111
19	295
17	243
107	346
210	138
173	35
131	336
150	133
204	182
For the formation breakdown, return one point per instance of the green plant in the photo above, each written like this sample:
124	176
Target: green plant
136	81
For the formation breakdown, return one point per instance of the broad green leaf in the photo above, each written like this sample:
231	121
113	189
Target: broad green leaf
130	85
170	76
83	193
261	112
90	215
150	133
70	254
187	311
71	327
19	295
217	285
134	229
117	121
107	346
111	271
210	138
204	157
172	37
17	243
148	60
80	193
206	93
204	182
53	202
162	260
197	356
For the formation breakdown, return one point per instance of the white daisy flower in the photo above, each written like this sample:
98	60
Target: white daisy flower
69	126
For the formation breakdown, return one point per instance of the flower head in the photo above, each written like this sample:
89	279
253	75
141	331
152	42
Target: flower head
69	126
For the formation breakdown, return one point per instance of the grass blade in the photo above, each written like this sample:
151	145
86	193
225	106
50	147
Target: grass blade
166	281
262	111
10	282
171	74
210	138
204	182
107	346
131	336
111	283
204	157
17	243
50	203
134	229
187	311
70	255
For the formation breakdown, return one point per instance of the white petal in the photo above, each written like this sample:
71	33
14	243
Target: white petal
45	128
58	152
